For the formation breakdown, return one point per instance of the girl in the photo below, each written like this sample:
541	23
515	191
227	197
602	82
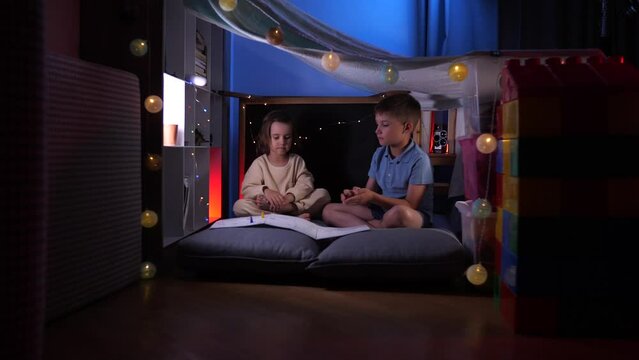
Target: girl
278	180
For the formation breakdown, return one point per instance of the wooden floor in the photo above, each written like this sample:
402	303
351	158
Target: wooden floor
184	318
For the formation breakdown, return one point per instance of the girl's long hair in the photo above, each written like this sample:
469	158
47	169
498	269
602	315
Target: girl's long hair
264	137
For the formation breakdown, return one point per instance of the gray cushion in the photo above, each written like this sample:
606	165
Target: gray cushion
256	249
393	254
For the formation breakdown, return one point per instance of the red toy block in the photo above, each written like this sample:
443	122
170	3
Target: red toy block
622	85
583	111
530	315
530	80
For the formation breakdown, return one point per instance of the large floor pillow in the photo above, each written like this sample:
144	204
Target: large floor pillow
393	255
250	250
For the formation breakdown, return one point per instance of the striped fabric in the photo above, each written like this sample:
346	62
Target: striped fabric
93	152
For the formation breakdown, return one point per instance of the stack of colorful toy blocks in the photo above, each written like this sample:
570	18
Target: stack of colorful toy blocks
559	201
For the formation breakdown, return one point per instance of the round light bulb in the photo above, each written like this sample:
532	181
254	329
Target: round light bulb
147	270
153	162
477	274
330	61
149	218
138	47
390	75
458	72
481	209
486	143
275	36
228	5
153	104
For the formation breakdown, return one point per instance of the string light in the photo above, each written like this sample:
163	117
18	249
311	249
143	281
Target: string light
147	270
481	208
153	162
153	104
149	218
458	71
275	36
486	143
476	274
330	61
228	5
390	74
138	47
304	137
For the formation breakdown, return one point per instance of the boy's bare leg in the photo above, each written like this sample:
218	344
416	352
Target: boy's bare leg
341	215
402	216
375	223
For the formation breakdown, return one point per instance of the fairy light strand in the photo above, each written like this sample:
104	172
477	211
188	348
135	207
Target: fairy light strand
482	231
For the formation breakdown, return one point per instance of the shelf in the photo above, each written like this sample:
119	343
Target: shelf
187	147
442	159
192	162
441	188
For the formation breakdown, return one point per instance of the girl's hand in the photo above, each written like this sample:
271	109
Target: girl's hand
276	199
362	196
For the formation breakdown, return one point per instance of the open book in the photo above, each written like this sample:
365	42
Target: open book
289	222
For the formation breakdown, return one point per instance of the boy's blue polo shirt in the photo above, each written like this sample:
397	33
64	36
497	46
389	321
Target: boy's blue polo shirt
393	175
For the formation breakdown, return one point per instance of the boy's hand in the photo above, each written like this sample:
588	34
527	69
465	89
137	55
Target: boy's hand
362	196
347	193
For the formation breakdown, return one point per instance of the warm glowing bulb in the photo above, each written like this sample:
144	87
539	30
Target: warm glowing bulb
477	274
389	74
228	5
330	61
149	218
481	209
138	47
275	36
153	104
153	162
486	143
147	270
458	72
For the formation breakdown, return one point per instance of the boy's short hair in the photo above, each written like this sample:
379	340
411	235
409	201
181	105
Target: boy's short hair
402	107
264	137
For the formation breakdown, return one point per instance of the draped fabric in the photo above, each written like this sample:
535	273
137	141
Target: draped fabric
454	28
362	65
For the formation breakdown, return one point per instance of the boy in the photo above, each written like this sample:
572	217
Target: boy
399	168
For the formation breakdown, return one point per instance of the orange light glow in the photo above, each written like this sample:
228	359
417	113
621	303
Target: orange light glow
215	184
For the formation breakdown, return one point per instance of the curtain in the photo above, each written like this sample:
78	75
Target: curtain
456	27
609	25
